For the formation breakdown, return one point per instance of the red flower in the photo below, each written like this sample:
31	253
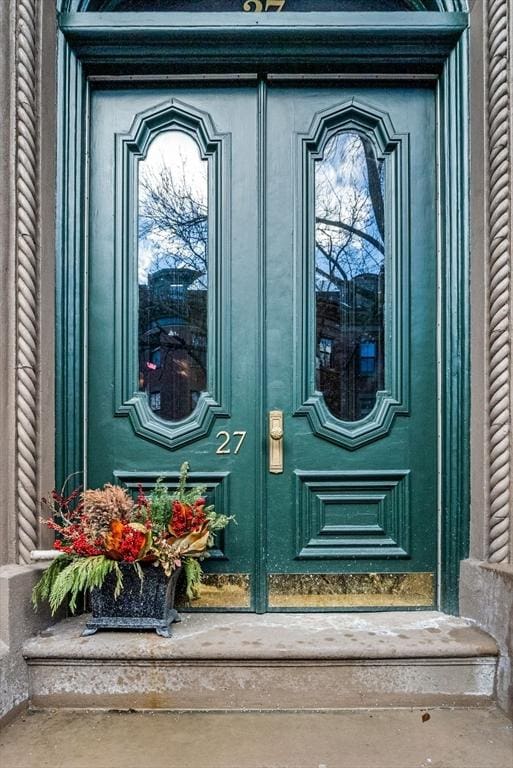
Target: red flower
186	519
126	541
131	544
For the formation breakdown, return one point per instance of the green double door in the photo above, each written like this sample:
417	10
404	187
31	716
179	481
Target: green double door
261	293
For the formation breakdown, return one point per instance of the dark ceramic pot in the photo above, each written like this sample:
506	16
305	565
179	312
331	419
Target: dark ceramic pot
146	604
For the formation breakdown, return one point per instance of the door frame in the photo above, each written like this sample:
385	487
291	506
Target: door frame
116	47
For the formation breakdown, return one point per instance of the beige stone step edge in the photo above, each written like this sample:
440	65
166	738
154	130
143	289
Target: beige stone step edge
230	685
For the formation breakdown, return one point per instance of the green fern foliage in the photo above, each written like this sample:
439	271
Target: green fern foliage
67	577
193	575
184	494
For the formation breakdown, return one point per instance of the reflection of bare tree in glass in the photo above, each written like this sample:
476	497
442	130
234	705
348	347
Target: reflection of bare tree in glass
174	212
349	209
349	266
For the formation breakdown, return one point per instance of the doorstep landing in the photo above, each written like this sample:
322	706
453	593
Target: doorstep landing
273	661
393	635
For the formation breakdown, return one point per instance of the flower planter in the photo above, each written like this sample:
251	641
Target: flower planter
146	604
103	530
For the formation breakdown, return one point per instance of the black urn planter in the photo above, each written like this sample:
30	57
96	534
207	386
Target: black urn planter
146	604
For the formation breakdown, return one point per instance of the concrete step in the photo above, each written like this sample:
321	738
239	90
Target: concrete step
477	737
237	661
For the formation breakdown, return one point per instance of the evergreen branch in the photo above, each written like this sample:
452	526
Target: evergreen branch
42	590
184	469
193	575
67	577
160	506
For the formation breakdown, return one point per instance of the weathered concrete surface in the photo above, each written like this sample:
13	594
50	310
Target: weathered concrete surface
384	635
274	661
486	596
479	738
255	686
17	623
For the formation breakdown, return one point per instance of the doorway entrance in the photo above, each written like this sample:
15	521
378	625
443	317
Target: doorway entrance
262	303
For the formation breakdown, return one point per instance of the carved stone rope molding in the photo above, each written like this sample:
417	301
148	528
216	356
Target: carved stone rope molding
27	288
499	287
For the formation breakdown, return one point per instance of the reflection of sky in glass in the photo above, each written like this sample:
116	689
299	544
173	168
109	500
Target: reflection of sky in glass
173	207
348	238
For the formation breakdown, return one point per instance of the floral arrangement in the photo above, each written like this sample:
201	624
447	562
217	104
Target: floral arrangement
100	528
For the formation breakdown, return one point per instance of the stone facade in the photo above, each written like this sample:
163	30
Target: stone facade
486	584
27	225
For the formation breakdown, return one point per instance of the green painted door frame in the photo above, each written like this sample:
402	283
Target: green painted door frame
111	48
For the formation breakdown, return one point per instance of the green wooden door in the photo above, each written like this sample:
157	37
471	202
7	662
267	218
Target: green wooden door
351	314
270	247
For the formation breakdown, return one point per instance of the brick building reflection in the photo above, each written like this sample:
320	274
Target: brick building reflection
173	341
350	345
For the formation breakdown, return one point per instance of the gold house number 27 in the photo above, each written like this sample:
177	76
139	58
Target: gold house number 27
257	6
226	437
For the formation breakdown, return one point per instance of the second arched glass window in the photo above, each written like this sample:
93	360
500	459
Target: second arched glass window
350	274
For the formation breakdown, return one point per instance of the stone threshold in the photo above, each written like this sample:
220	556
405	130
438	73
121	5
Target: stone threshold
278	636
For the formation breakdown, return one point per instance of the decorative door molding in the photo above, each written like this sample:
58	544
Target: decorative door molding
132	147
393	149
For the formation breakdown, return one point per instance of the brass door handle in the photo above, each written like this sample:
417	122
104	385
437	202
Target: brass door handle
276	442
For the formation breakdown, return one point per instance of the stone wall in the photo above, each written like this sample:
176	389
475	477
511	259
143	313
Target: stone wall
7	288
18	621
486	584
486	595
27	223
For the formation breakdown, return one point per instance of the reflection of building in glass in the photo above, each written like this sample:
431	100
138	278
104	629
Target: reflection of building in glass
350	345
172	341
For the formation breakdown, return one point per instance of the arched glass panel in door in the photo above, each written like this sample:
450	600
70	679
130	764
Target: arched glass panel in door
350	275
173	275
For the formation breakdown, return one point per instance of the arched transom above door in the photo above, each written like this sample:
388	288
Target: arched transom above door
259	6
